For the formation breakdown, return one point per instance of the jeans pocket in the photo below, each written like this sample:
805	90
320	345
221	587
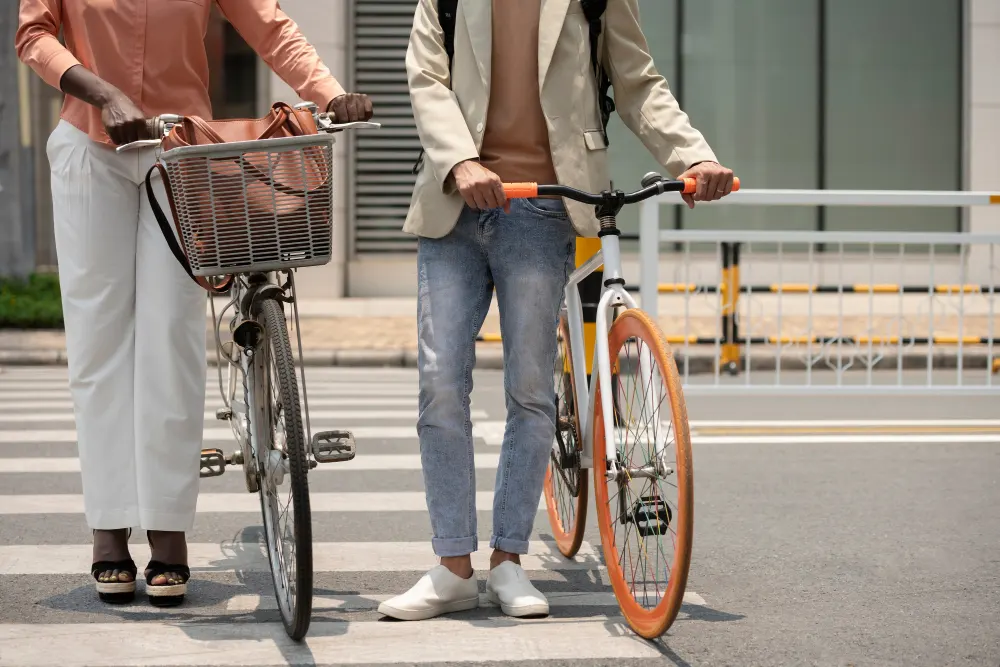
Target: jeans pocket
550	208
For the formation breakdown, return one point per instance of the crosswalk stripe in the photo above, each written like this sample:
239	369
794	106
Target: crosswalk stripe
15	392
371	642
61	559
225	503
353	603
214	436
213	401
211	435
36	409
363	462
355	416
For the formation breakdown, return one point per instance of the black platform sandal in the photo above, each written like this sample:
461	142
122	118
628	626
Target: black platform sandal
115	592
171	593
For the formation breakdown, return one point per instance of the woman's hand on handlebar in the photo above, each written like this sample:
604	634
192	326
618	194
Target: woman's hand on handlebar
714	182
351	108
123	120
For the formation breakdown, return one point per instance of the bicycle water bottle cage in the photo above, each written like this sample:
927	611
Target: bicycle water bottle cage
650	515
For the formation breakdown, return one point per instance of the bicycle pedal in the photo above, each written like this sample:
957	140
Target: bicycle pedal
213	463
651	516
333	446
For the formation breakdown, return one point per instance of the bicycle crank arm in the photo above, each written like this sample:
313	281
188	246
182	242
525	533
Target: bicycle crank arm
333	446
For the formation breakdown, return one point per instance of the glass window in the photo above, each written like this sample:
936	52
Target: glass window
751	87
894	107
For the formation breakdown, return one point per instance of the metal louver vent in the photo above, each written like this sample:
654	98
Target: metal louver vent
383	160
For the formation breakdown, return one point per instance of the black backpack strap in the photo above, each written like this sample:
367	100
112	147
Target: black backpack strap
594	10
447	15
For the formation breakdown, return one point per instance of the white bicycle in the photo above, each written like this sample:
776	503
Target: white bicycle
630	427
255	211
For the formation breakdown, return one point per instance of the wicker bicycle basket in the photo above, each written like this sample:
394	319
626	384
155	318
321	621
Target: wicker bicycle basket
253	206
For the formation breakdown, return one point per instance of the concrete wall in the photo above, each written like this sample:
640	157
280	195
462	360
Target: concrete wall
324	23
983	123
16	222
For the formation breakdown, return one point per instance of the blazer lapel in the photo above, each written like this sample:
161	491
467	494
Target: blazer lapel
479	22
549	28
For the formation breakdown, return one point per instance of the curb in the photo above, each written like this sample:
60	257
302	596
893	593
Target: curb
490	356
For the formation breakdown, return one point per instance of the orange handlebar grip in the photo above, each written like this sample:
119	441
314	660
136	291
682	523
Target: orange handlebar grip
691	185
520	190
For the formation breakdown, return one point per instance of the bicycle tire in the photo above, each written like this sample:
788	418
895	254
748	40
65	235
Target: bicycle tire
276	348
649	623
569	537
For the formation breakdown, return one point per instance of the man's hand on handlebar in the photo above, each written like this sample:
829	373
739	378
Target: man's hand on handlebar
714	182
351	108
480	188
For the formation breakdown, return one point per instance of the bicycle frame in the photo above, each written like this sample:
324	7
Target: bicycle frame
612	295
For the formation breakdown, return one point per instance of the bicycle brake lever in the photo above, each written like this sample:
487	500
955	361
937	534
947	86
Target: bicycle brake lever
142	143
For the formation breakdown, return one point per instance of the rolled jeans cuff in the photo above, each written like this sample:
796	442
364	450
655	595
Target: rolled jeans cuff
454	546
510	546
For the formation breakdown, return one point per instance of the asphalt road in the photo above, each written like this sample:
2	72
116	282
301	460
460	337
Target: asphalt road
821	537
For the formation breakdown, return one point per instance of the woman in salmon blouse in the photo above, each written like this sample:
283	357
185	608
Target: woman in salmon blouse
135	323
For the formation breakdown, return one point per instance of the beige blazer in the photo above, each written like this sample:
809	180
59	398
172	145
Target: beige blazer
450	109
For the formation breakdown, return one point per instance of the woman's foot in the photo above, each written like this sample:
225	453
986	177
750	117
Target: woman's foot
167	573
113	568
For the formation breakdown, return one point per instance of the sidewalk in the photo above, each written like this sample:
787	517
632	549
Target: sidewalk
383	332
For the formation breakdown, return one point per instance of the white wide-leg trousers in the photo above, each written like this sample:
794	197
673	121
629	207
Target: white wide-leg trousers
135	338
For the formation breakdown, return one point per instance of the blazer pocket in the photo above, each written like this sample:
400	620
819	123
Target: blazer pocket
595	140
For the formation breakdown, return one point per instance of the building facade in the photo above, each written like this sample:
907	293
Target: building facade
888	94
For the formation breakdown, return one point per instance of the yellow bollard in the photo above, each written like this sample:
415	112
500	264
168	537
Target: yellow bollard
590	296
729	294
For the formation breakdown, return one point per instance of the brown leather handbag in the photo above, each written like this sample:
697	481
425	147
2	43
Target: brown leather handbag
251	188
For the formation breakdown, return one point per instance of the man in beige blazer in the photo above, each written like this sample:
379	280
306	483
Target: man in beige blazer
518	104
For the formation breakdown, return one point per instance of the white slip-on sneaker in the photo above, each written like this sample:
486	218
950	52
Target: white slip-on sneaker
508	586
438	592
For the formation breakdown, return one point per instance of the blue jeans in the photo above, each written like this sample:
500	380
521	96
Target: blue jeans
527	255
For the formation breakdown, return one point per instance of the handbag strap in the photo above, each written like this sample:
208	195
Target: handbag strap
171	239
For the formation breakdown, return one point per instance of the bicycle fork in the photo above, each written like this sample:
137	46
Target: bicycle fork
239	357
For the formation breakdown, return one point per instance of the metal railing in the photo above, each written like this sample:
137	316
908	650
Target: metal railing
899	312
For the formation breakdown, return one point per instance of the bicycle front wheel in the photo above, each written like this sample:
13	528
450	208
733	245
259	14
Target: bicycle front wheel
644	493
283	468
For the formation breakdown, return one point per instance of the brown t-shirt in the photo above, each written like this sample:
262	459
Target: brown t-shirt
516	140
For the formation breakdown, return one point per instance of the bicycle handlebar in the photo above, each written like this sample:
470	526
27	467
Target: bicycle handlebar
531	190
159	126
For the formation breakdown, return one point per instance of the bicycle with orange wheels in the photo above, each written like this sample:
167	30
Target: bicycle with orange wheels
630	426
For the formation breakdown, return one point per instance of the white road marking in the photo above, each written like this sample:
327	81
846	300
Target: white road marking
352	416
403	501
11	391
74	559
213	401
440	640
353	603
363	462
212	436
217	436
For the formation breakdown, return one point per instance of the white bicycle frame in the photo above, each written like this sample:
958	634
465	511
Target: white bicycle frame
612	295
